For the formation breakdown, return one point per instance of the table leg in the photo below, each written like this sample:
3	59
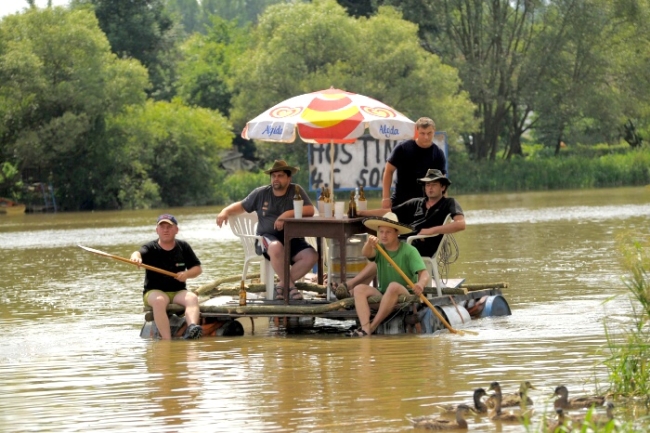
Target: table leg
287	267
319	248
344	259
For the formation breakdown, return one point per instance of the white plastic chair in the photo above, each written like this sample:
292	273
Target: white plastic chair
432	262
244	226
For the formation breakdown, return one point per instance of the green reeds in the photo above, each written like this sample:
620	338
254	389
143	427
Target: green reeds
629	360
550	173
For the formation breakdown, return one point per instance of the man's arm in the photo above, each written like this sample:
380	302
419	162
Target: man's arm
457	225
387	181
423	279
193	272
228	211
372	212
369	251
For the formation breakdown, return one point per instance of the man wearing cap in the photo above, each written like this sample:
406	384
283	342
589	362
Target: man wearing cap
411	159
426	215
272	203
160	290
390	283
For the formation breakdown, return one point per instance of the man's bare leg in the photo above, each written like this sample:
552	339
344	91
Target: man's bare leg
158	301
361	294
388	301
303	262
191	303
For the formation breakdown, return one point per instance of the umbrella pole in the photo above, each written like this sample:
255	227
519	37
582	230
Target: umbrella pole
332	168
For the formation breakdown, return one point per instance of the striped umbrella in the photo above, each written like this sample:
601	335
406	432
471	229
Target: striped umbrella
329	116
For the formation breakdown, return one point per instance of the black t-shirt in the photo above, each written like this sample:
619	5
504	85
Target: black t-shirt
411	163
415	213
178	259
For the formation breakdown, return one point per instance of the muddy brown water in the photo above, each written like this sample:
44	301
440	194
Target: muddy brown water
72	359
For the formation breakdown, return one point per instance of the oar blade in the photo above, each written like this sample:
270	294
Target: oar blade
94	251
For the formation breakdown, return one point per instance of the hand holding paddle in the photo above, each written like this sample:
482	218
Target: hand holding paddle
122	259
422	297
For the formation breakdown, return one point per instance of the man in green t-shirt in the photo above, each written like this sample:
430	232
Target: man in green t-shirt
390	283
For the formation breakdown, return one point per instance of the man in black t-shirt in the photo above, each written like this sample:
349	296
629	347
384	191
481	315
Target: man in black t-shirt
271	203
176	256
411	159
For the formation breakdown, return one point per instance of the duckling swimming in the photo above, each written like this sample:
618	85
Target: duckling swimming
444	424
514	399
563	401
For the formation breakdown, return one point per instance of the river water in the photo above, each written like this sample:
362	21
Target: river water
72	359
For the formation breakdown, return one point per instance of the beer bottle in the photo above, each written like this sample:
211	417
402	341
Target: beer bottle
242	294
352	206
297	195
362	204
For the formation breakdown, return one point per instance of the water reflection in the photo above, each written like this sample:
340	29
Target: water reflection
72	359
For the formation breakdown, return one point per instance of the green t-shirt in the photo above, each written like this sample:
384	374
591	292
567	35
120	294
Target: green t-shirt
407	258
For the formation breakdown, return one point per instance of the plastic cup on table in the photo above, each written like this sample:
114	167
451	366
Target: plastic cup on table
297	208
327	210
338	209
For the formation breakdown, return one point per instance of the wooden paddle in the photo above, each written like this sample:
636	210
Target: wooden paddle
122	259
422	297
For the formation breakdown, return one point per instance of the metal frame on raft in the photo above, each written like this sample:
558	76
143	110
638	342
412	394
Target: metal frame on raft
457	306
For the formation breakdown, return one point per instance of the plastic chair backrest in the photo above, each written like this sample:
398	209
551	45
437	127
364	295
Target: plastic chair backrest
432	262
244	226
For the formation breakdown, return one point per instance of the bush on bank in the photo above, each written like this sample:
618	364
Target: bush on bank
631	168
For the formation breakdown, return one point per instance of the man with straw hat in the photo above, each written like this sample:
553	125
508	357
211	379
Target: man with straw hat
272	202
427	217
391	284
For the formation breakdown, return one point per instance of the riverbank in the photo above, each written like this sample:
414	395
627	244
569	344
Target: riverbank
563	172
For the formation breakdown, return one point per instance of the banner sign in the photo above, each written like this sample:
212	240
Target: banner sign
361	163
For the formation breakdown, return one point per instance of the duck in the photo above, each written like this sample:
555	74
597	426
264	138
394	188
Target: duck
497	415
444	424
514	399
593	421
479	406
555	425
563	401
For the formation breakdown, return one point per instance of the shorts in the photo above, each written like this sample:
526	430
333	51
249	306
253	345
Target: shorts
297	245
170	295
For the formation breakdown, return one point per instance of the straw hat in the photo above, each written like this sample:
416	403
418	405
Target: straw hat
388	220
281	165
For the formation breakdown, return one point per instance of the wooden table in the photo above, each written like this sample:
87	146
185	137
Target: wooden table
320	227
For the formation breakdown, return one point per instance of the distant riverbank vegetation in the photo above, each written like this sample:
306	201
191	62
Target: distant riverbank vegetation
127	105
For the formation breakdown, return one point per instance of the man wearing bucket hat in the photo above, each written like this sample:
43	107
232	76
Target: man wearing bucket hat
426	215
173	255
390	283
411	159
272	203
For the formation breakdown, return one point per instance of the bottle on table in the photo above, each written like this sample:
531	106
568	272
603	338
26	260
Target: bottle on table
242	294
362	203
352	206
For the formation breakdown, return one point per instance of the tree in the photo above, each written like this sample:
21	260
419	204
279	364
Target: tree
207	65
59	82
310	46
170	154
143	30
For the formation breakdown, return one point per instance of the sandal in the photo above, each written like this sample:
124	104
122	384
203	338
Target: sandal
341	291
295	295
279	293
356	333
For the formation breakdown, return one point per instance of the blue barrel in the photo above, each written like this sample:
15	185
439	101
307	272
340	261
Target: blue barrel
496	306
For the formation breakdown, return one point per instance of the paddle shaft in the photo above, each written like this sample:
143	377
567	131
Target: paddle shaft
422	297
122	259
